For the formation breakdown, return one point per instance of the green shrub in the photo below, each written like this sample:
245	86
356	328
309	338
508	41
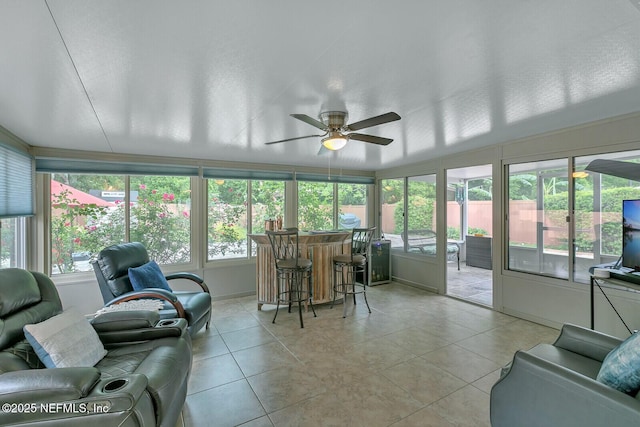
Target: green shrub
420	214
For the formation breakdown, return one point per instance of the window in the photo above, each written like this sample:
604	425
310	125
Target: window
538	231
85	217
227	218
598	213
315	205
89	213
160	217
392	211
267	202
12	243
420	215
352	206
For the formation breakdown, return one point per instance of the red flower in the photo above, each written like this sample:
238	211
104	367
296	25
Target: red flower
76	240
143	187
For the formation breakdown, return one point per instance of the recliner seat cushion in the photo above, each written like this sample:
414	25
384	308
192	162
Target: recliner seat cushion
166	363
197	307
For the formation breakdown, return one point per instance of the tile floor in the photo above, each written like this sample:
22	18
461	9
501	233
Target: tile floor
470	283
419	359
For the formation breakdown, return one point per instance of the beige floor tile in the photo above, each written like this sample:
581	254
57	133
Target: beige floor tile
279	388
245	338
424	418
205	346
467	407
227	405
378	353
235	322
262	358
423	380
462	363
417	341
258	422
485	383
419	359
323	410
212	372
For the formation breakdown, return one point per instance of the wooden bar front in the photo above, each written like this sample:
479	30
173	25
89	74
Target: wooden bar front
320	248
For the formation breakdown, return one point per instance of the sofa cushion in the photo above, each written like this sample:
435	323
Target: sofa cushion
148	275
621	368
18	288
65	340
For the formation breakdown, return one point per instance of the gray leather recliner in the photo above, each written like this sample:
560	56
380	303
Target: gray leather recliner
142	380
111	267
555	385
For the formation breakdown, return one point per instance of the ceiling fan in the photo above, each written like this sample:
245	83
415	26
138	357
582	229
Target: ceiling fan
337	132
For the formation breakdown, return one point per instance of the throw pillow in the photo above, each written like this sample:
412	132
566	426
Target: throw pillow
148	275
65	340
621	367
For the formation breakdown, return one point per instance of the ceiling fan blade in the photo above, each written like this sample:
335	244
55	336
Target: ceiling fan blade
374	121
311	121
293	139
370	138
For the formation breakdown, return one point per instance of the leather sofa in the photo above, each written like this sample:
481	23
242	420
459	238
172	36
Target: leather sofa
555	385
141	381
111	267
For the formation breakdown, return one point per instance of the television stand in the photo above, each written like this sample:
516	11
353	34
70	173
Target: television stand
619	279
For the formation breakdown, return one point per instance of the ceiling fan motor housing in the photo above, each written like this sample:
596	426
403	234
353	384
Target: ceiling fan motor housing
335	120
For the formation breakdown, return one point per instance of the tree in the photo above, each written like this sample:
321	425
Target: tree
315	205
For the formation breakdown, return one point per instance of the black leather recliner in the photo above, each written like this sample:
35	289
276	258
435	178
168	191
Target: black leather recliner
111	267
141	381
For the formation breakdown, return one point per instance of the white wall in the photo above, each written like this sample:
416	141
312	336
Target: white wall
226	280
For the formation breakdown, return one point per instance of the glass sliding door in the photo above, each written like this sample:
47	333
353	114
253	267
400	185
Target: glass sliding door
470	233
538	212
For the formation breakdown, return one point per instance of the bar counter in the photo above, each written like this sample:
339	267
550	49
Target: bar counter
319	247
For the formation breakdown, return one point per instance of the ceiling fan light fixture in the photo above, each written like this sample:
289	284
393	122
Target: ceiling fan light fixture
335	141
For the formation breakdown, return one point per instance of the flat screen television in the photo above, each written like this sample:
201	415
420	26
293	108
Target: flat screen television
631	234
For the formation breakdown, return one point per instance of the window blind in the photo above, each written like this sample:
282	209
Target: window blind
49	165
247	174
344	179
16	183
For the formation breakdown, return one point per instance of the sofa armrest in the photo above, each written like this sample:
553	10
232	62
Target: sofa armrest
74	396
189	276
592	344
125	320
537	392
46	385
136	325
156	293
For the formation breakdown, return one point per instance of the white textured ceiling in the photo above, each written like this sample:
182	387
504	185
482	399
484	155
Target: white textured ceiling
215	80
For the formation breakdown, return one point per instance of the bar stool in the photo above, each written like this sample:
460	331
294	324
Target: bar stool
346	267
291	271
